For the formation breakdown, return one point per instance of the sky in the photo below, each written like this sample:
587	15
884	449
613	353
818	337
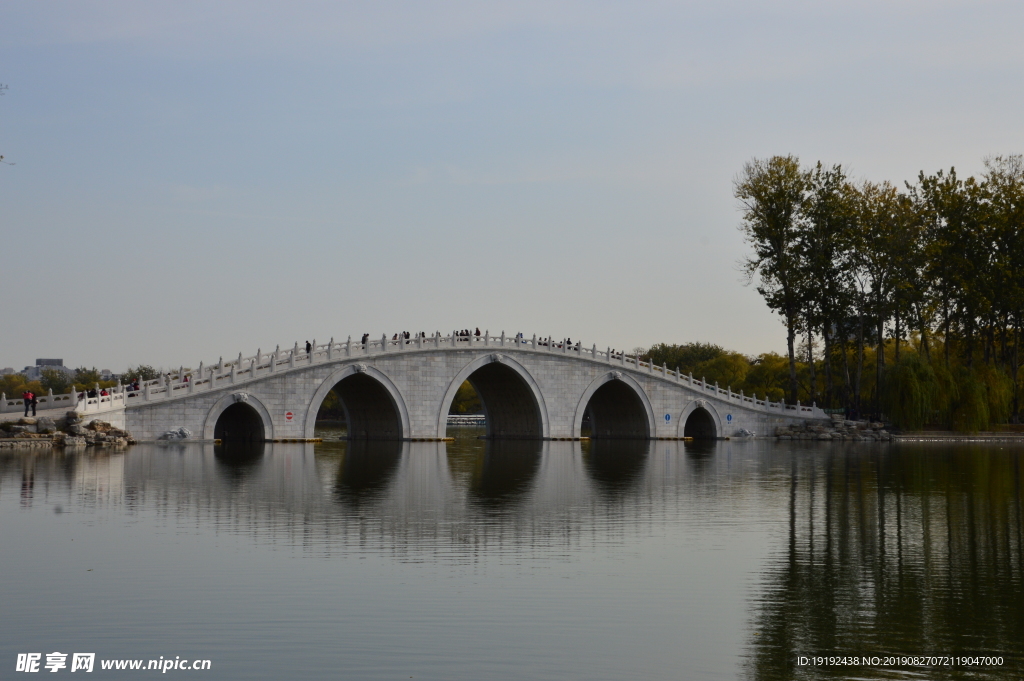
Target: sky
197	179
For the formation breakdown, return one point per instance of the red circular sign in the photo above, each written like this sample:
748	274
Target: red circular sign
288	416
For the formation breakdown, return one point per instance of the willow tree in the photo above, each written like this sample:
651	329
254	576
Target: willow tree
771	193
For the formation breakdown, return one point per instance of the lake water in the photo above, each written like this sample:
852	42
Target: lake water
472	560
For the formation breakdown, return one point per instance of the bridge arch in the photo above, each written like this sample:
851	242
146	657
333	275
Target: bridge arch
242	403
374	385
621	403
705	416
512	400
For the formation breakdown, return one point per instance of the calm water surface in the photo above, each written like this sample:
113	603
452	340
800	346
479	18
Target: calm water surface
476	560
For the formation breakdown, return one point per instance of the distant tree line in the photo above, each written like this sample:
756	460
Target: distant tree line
62	382
924	286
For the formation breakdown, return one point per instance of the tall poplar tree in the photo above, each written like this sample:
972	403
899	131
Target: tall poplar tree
771	193
826	247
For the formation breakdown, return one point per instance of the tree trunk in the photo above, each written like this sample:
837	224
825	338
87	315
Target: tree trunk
829	388
970	343
879	367
860	361
791	343
945	321
1004	331
896	337
924	334
1013	369
847	384
810	363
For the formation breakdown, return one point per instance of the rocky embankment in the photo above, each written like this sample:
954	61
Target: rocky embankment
69	431
839	429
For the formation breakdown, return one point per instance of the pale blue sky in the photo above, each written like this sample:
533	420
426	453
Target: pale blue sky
195	179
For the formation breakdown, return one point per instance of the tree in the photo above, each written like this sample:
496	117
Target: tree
466	400
885	226
12	384
142	372
685	357
87	377
729	369
1004	176
771	194
60	382
824	243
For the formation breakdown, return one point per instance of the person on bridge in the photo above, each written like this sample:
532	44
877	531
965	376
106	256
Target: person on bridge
29	398
308	347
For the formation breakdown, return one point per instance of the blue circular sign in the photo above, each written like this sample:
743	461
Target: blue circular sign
668	417
728	417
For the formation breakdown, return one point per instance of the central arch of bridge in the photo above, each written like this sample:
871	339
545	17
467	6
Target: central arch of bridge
239	423
372	405
511	399
615	407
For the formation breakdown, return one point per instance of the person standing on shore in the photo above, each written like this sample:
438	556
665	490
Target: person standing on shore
29	398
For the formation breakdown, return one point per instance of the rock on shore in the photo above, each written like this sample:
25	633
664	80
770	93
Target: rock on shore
69	431
839	429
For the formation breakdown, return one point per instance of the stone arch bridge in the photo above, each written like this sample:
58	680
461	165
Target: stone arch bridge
403	390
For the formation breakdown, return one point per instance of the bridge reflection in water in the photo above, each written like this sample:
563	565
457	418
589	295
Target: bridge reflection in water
858	549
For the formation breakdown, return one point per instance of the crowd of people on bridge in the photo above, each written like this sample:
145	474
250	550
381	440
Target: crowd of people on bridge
469	335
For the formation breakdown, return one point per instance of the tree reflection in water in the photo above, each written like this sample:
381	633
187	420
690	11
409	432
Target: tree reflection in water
906	550
615	466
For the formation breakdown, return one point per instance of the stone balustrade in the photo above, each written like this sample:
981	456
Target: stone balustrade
116	399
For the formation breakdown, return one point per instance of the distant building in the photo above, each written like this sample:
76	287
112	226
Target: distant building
35	373
6	370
